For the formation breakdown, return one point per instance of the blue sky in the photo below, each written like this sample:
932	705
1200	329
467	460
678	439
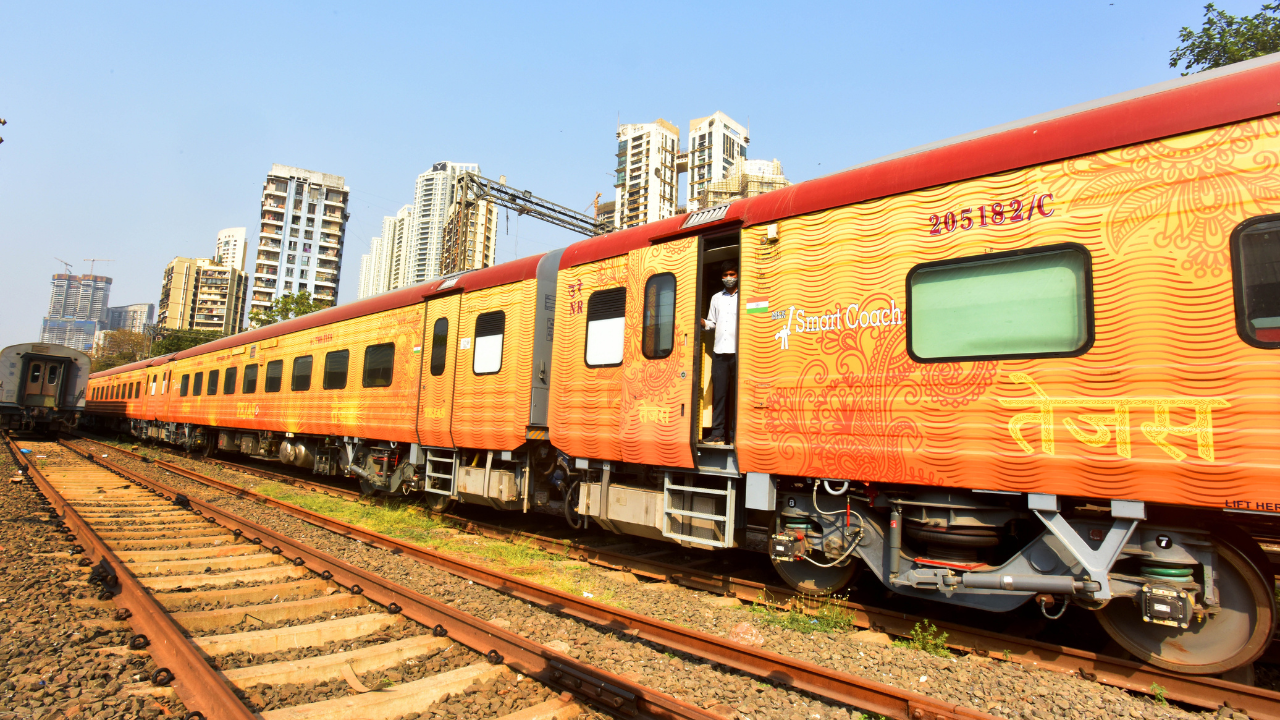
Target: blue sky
136	132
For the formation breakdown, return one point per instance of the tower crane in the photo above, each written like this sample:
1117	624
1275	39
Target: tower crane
595	206
91	261
64	262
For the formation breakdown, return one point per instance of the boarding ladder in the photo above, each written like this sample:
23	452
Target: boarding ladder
699	515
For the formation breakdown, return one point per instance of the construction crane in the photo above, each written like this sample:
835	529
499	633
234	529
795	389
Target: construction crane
595	206
64	262
91	261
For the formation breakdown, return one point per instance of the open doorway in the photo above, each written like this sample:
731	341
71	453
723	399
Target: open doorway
717	251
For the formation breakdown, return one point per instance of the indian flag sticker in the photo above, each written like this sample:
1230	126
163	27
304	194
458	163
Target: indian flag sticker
757	305
417	348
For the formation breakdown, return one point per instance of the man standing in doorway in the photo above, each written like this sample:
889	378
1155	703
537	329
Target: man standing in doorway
723	318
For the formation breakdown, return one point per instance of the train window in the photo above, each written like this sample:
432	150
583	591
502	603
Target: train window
275	373
153	384
51	376
212	389
1255	264
229	381
250	385
197	384
379	361
335	369
606	318
35	371
659	316
183	385
301	379
128	391
486	356
1036	302
165	384
439	346
137	389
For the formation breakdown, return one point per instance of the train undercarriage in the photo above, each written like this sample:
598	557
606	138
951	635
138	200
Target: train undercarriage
1184	590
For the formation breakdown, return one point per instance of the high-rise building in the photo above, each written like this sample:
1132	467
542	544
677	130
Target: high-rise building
605	214
200	294
470	237
77	310
645	187
393	262
304	226
717	145
134	318
748	179
230	249
417	258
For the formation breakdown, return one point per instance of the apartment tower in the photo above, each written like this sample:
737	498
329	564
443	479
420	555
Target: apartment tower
470	237
717	145
417	258
230	248
200	294
645	184
134	318
382	268
77	310
304	225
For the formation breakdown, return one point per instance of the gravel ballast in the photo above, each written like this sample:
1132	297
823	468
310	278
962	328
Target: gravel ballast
1001	688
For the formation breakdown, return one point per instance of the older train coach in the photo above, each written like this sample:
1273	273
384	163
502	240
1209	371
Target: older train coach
1032	364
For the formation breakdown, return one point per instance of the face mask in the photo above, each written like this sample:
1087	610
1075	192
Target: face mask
730	282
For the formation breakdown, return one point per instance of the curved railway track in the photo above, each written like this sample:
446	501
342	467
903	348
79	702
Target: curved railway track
1198	691
155	553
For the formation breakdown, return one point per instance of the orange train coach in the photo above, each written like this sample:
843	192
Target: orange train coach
1031	364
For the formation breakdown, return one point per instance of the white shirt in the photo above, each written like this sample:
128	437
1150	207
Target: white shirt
723	317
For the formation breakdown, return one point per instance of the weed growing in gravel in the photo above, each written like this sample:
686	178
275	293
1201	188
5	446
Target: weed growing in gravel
926	638
395	518
1159	692
826	616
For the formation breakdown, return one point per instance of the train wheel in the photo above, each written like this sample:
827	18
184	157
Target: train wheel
1236	635
437	503
813	580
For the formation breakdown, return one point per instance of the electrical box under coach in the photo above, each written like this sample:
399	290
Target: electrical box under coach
761	493
496	488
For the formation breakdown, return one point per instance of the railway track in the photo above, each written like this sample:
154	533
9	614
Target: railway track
1198	691
156	555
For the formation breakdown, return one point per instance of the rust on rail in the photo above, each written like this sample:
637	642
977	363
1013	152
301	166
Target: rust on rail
199	686
1201	691
555	669
832	684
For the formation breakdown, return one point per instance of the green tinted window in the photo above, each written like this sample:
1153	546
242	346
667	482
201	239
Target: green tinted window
1035	304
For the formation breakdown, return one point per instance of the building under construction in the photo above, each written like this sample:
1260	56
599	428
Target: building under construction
748	179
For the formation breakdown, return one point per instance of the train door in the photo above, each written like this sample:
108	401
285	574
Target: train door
435	399
44	381
717	251
659	393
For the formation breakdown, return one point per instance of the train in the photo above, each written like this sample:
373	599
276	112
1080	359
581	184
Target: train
1033	364
43	387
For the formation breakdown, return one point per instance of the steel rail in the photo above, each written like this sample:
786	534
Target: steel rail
200	687
594	685
1200	691
836	685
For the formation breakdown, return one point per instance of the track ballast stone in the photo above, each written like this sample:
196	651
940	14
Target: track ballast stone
1007	690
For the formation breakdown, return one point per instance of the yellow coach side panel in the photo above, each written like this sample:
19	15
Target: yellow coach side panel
586	403
353	410
491	411
1169	404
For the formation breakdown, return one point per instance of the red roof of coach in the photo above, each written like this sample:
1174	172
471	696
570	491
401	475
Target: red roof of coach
1215	97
